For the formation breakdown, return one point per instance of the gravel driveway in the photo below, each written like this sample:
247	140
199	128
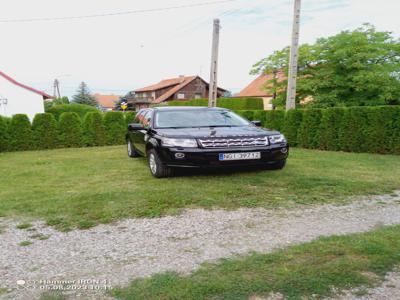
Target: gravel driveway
117	253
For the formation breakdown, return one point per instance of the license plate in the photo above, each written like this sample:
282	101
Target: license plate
240	156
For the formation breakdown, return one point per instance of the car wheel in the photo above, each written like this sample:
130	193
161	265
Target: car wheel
131	149
279	165
157	168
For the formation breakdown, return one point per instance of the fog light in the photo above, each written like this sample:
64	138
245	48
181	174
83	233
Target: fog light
179	155
284	150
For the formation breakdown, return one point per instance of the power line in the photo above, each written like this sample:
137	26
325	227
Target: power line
121	13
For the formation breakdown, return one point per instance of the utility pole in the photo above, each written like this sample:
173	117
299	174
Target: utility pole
213	89
56	89
294	57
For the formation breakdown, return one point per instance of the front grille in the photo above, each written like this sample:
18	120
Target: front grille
239	142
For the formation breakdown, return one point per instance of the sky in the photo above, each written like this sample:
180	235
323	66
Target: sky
117	54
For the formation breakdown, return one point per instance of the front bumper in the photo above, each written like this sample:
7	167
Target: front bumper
199	157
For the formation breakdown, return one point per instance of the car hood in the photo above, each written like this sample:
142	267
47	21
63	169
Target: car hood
209	132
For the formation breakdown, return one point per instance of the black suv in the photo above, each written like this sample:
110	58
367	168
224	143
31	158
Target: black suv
202	137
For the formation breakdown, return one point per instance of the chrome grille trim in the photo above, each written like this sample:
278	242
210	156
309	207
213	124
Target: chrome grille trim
239	142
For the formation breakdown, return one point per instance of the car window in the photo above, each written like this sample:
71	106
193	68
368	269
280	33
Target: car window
139	116
147	118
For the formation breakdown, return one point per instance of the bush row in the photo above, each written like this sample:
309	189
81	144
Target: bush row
230	103
46	132
80	109
354	129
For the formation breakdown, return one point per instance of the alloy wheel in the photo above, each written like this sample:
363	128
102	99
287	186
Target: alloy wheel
129	147
153	163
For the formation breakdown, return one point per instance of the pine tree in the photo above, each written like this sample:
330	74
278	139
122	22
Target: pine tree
83	96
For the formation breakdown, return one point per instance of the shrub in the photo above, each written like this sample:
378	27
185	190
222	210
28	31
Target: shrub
310	128
93	130
394	128
44	131
352	133
80	109
274	119
4	138
20	133
193	102
241	103
377	137
247	114
259	115
330	126
245	103
70	130
115	125
129	117
291	126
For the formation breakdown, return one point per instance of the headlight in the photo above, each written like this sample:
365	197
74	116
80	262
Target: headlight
184	143
277	139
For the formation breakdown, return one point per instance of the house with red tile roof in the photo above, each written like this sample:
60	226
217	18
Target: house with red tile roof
179	88
257	88
18	98
107	102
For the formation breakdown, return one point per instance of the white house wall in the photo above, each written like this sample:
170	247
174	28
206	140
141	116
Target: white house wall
19	100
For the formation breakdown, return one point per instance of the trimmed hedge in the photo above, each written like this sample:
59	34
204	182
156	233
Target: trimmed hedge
44	131
247	114
330	126
352	136
274	119
354	129
290	128
115	125
80	109
70	130
244	103
129	117
310	129
4	138
20	133
94	132
393	131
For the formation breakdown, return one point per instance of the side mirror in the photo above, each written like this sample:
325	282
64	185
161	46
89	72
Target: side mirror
256	123
135	126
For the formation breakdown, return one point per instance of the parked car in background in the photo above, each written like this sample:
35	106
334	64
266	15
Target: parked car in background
171	137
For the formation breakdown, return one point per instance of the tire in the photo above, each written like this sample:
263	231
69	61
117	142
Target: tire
157	168
279	165
131	149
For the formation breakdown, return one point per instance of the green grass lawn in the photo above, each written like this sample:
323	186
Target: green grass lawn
83	187
309	270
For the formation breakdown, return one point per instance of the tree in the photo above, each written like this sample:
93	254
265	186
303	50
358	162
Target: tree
94	132
20	133
4	138
70	130
83	96
44	128
115	125
360	67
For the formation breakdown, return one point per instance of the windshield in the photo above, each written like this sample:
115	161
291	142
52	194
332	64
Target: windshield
198	118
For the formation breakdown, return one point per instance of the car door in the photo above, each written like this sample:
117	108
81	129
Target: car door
137	136
142	135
